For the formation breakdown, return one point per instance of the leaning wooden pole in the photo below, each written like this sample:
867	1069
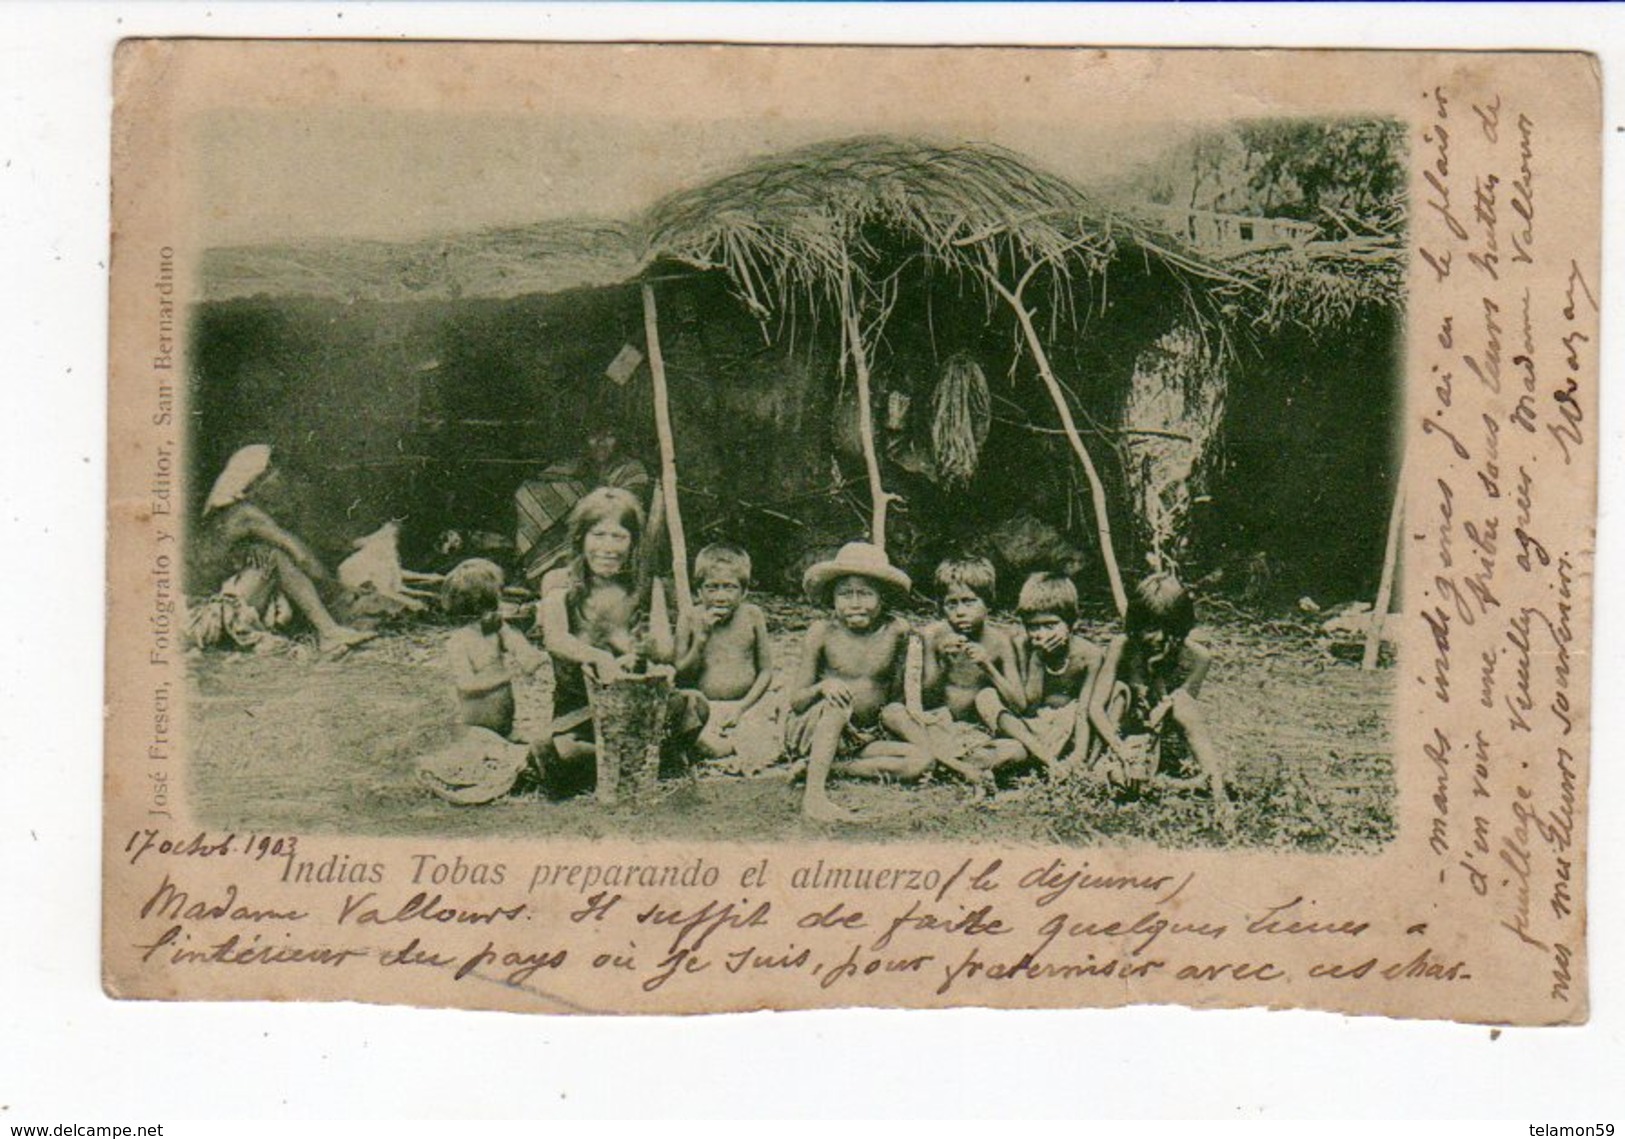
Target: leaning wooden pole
878	498
668	455
1097	490
1385	585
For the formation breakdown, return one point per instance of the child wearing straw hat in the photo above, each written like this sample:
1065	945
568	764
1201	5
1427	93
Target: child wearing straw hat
852	666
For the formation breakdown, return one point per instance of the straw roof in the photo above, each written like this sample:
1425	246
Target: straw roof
787	227
1324	284
1311	275
793	223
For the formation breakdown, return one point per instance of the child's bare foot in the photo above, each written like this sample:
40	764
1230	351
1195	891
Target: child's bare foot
1225	812
1075	759
822	809
969	772
1125	780
983	784
1094	774
342	638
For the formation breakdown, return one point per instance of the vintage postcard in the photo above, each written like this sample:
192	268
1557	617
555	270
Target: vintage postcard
675	529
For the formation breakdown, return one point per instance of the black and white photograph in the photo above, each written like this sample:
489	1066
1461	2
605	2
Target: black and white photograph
881	478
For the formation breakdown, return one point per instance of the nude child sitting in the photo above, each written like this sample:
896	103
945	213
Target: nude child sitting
967	660
723	651
852	666
1059	667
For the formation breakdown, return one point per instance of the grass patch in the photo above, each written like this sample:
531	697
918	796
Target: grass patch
298	744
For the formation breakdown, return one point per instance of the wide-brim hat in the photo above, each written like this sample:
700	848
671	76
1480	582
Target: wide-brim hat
245	466
855	559
478	767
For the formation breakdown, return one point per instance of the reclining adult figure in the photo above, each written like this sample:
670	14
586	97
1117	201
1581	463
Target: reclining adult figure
258	572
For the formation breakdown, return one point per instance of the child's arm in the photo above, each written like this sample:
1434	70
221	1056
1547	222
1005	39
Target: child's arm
1086	660
931	668
995	665
763	649
466	674
897	681
1032	674
805	688
914	653
692	634
1099	716
561	642
1000	666
1018	660
1196	658
1082	649
526	657
1201	659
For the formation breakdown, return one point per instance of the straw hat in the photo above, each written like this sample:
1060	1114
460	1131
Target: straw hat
242	469
855	559
478	767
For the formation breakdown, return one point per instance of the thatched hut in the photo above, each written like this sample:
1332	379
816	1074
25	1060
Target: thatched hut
812	308
427	380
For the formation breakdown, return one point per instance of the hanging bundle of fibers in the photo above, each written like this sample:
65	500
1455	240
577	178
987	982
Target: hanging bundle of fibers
961	413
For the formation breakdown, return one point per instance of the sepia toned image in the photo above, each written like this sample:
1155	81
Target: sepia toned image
839	325
612	528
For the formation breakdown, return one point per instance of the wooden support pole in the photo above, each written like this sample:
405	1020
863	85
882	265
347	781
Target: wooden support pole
1097	490
1385	586
879	499
668	455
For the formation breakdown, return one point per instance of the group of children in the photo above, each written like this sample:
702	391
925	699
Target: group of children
870	697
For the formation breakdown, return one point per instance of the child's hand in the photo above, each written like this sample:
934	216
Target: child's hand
976	654
836	693
1125	753
515	645
1047	643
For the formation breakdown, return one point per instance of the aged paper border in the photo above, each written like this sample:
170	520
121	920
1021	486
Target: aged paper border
1601	789
1492	801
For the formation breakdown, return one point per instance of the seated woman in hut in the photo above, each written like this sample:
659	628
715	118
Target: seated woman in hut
542	504
599	612
260	573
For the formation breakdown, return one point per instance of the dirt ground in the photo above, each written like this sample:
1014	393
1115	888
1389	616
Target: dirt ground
291	742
